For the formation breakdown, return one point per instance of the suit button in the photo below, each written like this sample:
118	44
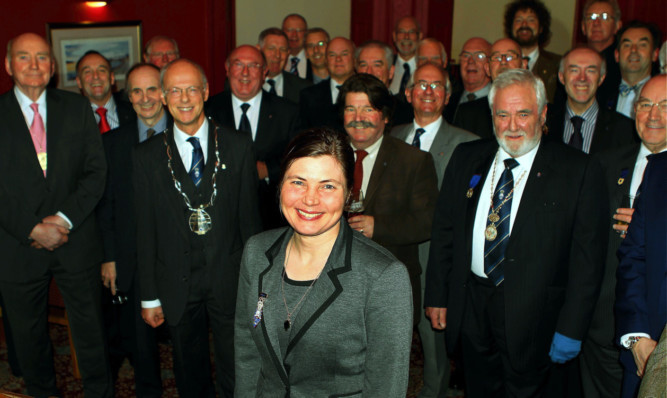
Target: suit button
185	279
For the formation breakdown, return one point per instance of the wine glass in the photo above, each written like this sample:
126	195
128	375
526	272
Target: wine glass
355	205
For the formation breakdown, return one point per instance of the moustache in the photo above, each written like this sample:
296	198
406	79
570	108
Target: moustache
361	124
525	30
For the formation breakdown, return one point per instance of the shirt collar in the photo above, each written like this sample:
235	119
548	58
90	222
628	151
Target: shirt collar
589	114
24	101
525	160
374	148
159	127
433	126
181	138
253	102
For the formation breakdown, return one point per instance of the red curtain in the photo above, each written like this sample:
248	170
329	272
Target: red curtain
375	19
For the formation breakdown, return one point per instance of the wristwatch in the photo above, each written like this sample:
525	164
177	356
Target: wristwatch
631	341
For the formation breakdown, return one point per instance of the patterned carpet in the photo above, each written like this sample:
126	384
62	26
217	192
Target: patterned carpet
72	388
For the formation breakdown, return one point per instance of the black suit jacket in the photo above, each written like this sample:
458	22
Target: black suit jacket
74	183
449	113
316	108
612	130
475	116
555	253
166	245
292	86
124	109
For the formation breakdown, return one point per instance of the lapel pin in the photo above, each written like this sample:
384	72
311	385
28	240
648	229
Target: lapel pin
621	178
472	184
257	318
539	174
224	166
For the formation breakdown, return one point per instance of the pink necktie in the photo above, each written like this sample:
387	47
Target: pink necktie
38	134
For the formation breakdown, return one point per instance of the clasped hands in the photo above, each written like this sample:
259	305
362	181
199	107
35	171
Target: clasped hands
50	234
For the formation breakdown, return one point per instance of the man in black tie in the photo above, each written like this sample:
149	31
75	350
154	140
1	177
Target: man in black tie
295	27
272	43
581	122
268	120
196	205
517	247
407	33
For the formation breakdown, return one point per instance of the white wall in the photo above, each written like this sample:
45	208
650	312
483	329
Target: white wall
469	21
253	16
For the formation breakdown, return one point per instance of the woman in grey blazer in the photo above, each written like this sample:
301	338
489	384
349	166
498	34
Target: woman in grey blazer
321	310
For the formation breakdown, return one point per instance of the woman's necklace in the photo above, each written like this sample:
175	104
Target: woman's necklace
288	321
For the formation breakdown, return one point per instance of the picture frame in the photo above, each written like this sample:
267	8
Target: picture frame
120	42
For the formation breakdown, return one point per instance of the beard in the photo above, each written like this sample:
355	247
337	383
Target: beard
525	41
516	149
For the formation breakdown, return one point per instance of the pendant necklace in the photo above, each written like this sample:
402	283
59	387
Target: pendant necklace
199	220
288	322
491	232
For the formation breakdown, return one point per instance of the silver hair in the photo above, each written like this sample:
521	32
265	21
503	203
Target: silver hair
388	52
448	83
443	52
513	77
150	43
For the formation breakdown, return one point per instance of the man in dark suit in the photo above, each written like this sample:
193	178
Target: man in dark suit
96	80
475	116
47	224
407	33
317	40
273	44
192	226
517	247
528	22
398	181
129	336
317	104
295	27
473	59
641	310
428	91
581	122
624	167
270	121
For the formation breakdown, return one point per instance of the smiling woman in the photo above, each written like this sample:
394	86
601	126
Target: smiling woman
314	315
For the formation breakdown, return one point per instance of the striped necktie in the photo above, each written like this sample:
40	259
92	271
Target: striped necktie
197	165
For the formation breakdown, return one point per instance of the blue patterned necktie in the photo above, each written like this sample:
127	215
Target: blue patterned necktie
416	142
624	89
494	250
293	69
197	166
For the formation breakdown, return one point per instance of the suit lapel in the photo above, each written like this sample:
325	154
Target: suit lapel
384	154
226	112
16	123
440	143
175	199
263	123
623	172
600	134
54	127
480	168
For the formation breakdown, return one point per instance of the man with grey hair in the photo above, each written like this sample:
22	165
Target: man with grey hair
517	247
160	50
295	27
406	35
433	51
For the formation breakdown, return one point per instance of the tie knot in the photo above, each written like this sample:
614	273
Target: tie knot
577	122
471	97
102	111
295	61
361	154
419	132
510	163
271	82
406	67
35	107
244	107
195	142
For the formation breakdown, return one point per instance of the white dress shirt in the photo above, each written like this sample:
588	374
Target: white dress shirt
532	57
427	137
395	85
520	176
252	113
301	67
279	84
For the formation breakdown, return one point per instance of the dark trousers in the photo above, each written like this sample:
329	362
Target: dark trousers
601	371
488	371
11	352
26	306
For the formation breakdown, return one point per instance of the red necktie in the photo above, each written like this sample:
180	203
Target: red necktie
38	134
104	125
358	172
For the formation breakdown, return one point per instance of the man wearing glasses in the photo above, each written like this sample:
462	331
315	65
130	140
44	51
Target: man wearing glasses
407	33
473	61
160	50
196	206
317	40
295	27
475	116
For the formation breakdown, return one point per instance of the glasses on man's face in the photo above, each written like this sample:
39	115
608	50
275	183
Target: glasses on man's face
605	16
169	54
177	92
435	86
647	106
294	30
238	66
319	44
506	57
476	56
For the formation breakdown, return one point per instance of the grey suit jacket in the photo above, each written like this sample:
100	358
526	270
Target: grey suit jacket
351	337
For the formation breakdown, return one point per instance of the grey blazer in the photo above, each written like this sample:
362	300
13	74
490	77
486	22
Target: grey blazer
351	337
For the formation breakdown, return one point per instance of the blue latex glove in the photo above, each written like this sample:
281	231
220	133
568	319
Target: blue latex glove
563	348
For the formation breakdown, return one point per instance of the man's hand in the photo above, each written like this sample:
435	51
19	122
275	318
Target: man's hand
153	316
363	224
624	216
56	219
109	276
262	170
48	236
438	317
641	351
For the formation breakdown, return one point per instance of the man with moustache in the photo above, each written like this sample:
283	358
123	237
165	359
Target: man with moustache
398	181
295	27
53	172
317	104
196	206
129	336
272	43
270	122
581	122
407	33
517	247
428	91
95	80
317	40
433	51
637	50
601	371
160	50
528	22
475	116
473	60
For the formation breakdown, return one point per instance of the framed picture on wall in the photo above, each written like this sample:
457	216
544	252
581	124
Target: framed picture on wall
120	42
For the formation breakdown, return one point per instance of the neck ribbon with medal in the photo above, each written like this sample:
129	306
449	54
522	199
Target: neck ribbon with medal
199	220
491	232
